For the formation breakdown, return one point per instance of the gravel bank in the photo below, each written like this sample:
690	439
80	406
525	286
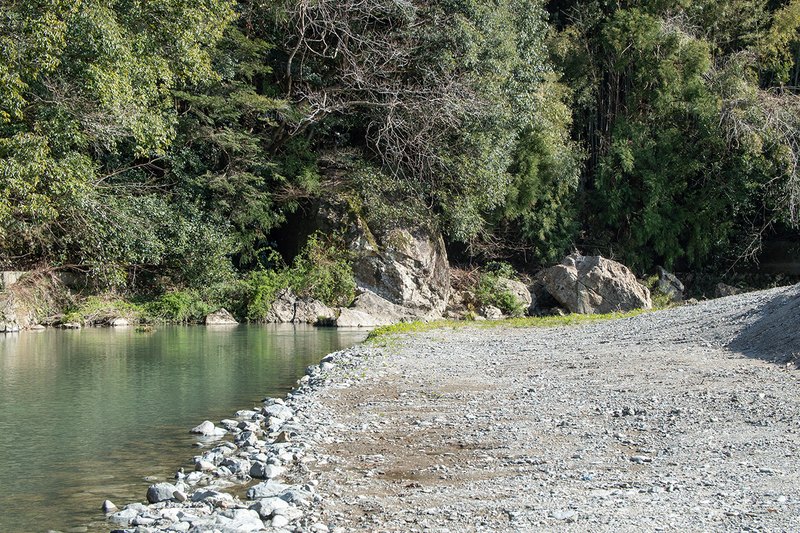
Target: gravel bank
678	420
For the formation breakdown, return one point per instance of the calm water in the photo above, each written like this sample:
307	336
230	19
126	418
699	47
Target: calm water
86	415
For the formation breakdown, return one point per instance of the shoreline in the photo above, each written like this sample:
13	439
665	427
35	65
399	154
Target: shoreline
647	423
271	451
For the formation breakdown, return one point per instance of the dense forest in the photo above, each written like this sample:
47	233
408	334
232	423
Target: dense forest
176	137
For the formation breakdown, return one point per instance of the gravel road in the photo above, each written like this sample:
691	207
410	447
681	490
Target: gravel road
685	419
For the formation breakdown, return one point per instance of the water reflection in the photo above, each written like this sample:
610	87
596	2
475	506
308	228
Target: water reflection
86	414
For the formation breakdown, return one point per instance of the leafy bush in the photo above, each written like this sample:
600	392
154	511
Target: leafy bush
179	306
492	290
659	299
261	287
322	271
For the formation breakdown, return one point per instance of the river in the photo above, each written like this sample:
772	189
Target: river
86	415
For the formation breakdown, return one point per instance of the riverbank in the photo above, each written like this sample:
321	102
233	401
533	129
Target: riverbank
682	419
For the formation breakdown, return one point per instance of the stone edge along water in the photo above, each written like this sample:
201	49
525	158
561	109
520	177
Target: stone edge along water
274	443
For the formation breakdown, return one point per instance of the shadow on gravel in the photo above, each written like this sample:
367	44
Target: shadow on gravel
775	335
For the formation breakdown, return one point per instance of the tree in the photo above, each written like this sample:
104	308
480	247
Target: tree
81	117
433	93
690	160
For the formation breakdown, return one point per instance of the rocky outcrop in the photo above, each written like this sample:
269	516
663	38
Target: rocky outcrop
220	317
12	315
288	307
406	266
595	285
403	263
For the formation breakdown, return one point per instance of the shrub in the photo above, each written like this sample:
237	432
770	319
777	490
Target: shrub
322	271
261	287
180	306
490	289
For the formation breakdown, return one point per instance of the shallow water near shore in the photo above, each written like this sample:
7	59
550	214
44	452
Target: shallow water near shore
86	415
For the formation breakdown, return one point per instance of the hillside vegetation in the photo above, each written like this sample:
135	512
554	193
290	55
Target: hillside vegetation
165	144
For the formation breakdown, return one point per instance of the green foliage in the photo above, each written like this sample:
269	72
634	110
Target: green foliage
540	201
658	298
78	115
385	199
431	94
180	307
321	271
261	288
779	47
171	137
95	309
678	169
219	157
492	290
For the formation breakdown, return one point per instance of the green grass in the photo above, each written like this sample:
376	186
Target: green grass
379	334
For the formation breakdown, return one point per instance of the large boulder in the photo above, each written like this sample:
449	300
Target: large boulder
406	266
595	285
369	310
402	262
220	317
160	492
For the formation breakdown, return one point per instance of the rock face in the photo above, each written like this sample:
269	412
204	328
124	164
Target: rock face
220	317
288	307
590	285
406	266
401	262
12	316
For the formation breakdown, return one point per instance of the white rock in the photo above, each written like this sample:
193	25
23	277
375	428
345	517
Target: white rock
208	429
279	521
160	492
109	507
278	411
265	507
